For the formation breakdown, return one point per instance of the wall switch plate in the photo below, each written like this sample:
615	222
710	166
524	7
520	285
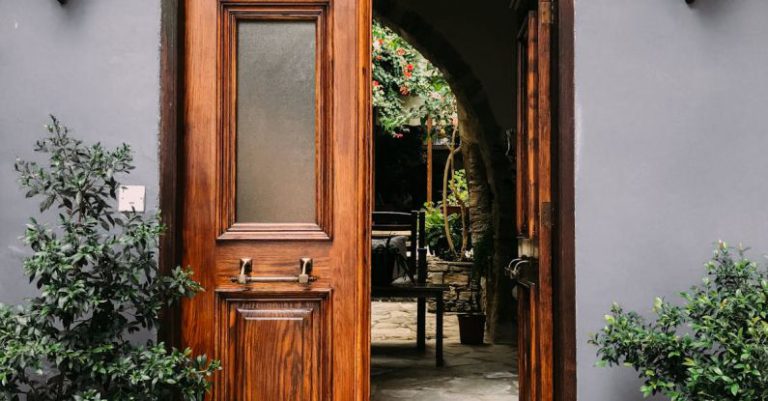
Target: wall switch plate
130	198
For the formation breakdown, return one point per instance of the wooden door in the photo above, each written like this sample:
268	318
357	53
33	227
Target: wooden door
533	271
275	195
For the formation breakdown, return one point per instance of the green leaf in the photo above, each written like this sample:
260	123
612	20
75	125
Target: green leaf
98	280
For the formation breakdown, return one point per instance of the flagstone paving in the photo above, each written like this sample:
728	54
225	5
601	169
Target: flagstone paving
399	372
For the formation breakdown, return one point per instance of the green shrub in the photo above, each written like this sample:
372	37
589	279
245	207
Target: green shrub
715	347
401	73
435	230
97	273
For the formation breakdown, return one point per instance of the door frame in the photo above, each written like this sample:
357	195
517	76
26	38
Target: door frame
170	161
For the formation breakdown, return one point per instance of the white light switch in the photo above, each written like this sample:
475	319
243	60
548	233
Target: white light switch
131	198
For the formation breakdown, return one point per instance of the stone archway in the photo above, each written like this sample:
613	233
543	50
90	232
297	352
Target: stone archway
484	149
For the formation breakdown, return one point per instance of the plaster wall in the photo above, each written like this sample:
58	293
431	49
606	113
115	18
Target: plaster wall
95	65
671	144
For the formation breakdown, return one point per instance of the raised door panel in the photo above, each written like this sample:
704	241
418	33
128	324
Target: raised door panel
275	345
526	147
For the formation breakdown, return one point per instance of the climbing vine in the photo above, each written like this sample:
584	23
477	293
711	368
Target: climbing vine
407	87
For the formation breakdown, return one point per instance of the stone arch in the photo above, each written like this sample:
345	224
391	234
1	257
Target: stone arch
485	152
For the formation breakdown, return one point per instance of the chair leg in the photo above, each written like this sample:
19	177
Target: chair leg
439	329
421	324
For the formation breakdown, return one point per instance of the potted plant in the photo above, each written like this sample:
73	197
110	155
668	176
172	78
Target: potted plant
434	224
99	282
472	323
714	347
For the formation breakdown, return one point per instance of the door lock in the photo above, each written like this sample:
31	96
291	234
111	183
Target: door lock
513	269
305	276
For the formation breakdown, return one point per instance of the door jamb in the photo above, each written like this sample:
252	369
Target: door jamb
170	158
170	155
564	242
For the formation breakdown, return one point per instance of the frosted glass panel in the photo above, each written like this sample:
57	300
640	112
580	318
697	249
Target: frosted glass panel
276	122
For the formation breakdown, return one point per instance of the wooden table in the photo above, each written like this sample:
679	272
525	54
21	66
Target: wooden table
421	292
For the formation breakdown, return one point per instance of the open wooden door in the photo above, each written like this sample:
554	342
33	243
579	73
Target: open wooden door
533	271
275	184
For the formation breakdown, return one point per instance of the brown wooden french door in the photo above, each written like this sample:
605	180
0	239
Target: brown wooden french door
275	185
533	271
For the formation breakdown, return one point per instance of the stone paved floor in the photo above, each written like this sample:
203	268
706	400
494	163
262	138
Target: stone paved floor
399	372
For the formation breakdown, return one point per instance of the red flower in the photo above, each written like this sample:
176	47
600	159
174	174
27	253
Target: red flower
376	83
400	51
408	74
409	67
404	90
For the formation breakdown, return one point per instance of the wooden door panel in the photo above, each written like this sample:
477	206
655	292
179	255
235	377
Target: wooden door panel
276	344
532	124
278	340
534	205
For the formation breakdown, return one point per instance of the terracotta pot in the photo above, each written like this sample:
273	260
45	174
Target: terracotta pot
471	328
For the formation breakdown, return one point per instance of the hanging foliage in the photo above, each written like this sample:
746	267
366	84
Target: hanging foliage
407	87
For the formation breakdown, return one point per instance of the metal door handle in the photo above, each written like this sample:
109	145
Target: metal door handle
246	267
513	269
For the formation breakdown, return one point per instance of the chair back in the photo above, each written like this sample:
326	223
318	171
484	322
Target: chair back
411	225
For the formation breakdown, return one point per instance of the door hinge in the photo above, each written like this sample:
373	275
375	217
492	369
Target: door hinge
547	12
547	214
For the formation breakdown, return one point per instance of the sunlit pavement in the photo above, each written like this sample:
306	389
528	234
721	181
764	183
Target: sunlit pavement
399	372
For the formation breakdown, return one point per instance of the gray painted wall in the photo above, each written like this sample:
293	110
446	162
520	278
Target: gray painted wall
671	143
95	65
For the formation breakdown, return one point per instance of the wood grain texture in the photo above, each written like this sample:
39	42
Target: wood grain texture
276	343
169	160
564	263
522	166
531	124
339	258
544	164
535	312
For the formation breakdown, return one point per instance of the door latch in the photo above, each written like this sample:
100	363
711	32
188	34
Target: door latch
305	276
514	268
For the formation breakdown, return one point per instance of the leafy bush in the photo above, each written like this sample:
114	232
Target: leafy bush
459	189
98	278
401	73
715	347
435	230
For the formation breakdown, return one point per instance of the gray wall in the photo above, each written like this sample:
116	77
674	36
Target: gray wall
95	65
671	154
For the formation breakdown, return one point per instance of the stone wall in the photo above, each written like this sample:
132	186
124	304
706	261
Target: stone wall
457	275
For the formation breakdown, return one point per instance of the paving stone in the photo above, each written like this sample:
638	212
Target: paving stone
399	372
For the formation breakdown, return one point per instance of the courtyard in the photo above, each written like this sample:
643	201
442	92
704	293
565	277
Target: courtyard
399	372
